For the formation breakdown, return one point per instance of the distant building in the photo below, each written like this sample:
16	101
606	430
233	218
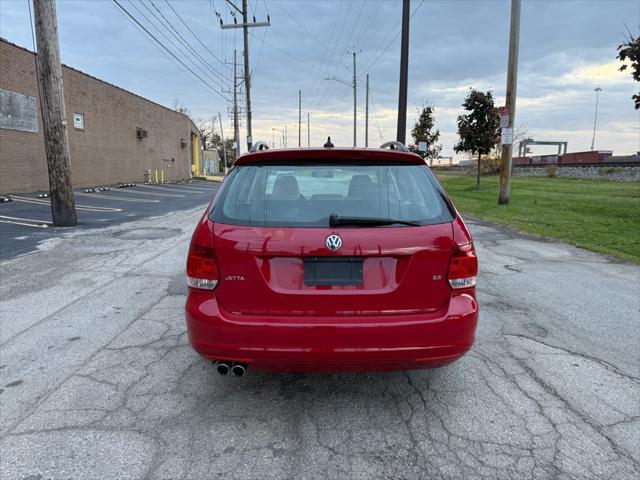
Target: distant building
114	135
210	162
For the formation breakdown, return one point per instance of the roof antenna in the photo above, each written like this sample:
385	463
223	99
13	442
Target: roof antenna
328	144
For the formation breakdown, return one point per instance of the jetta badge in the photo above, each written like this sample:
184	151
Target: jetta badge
334	242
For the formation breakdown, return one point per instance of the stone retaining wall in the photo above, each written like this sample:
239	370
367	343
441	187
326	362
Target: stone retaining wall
615	173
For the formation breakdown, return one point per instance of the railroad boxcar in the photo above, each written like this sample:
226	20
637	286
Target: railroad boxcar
595	156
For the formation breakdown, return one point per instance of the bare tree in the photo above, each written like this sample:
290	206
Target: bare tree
179	107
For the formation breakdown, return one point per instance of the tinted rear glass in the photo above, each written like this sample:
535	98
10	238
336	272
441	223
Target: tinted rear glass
306	195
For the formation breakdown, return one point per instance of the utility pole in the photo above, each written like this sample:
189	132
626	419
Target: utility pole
224	149
236	130
286	136
308	130
247	73
366	114
401	133
353	84
355	109
510	102
56	142
595	118
299	118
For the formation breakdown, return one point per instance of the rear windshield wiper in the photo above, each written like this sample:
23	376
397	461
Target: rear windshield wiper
336	221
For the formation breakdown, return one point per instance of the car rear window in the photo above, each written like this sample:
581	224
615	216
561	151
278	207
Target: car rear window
306	195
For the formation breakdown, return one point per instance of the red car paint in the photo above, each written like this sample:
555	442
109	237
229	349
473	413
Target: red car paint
404	314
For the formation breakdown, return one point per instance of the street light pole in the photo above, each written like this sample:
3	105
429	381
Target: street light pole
366	114
355	103
299	118
595	118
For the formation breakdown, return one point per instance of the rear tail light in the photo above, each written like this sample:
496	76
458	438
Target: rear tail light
463	268
202	268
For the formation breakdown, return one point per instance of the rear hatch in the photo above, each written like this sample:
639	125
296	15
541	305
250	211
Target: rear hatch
275	239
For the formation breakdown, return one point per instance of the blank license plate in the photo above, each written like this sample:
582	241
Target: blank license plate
333	271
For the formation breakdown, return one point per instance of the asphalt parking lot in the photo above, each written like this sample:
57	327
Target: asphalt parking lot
26	220
97	380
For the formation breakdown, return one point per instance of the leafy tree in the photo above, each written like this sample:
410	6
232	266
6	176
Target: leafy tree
424	131
479	130
211	140
215	143
630	50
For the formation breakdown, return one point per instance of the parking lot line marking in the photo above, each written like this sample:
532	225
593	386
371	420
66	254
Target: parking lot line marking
78	207
189	187
25	219
44	225
157	194
124	199
169	188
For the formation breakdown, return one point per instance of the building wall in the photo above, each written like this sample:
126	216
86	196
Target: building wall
107	150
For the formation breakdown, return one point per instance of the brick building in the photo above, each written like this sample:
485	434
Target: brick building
114	135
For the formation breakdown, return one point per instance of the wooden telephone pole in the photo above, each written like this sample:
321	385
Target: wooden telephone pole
401	132
245	25
224	147
56	142
510	101
236	129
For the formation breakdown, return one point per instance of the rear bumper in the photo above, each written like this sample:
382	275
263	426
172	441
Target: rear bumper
303	344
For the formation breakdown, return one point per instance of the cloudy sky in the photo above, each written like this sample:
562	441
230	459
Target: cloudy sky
567	49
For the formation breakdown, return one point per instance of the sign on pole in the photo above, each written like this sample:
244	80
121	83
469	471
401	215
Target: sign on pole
422	146
504	116
507	136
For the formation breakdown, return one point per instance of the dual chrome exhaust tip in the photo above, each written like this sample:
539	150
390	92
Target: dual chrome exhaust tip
238	369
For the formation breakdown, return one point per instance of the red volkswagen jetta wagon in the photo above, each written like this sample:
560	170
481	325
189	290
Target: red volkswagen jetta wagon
331	260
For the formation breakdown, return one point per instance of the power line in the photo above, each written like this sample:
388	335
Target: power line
375	115
318	82
372	13
194	34
335	47
158	42
284	52
176	34
371	64
346	45
143	32
186	54
305	29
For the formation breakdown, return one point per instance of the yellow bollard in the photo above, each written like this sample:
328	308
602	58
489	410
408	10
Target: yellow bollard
156	176
162	176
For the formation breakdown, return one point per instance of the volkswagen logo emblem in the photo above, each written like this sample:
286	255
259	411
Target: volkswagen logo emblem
333	242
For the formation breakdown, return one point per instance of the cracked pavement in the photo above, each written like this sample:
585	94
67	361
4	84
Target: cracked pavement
97	380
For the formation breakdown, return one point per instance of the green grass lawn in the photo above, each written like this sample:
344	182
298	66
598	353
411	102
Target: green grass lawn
599	215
